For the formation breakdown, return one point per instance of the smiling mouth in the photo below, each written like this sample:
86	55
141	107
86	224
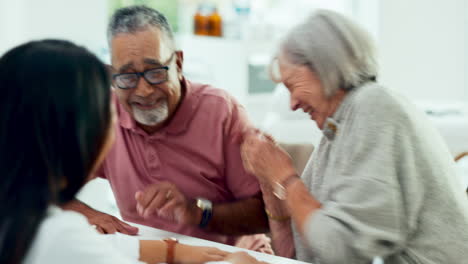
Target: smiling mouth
148	106
309	111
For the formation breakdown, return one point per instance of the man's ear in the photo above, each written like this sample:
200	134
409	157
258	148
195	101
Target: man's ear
179	62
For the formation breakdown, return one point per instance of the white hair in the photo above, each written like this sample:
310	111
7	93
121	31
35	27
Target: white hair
132	19
335	48
151	117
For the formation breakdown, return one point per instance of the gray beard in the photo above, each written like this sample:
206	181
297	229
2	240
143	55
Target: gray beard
151	117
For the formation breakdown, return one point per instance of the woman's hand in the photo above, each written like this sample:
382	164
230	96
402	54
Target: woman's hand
186	254
257	242
265	159
242	258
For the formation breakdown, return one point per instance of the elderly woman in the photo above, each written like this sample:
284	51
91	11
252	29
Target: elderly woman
381	182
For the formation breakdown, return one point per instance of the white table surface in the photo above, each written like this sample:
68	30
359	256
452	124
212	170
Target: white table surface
150	233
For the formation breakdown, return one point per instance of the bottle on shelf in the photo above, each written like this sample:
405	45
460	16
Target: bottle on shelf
201	21
215	24
242	9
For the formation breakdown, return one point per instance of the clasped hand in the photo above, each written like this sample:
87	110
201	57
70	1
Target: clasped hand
166	201
262	157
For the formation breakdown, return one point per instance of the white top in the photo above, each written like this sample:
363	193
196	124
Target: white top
66	237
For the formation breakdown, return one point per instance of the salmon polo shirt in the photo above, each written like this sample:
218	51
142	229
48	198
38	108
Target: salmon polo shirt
196	151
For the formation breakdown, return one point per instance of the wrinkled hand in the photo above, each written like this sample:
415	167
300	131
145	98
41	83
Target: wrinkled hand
257	242
108	224
197	255
166	201
242	258
262	157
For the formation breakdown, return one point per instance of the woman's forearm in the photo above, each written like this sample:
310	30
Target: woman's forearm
300	203
280	223
152	251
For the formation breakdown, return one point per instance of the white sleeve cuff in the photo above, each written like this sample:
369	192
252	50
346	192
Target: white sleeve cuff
127	245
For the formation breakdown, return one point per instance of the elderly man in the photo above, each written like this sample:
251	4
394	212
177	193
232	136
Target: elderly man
175	164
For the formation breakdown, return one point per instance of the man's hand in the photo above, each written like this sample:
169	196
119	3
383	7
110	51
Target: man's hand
104	223
166	201
108	224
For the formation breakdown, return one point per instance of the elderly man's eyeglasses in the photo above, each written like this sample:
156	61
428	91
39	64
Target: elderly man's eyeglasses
152	76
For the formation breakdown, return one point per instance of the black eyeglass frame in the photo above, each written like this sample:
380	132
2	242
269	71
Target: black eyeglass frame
142	74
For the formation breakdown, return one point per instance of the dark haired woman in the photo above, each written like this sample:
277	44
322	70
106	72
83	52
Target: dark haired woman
55	120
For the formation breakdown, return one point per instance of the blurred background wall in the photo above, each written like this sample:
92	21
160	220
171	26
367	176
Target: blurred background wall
422	44
422	47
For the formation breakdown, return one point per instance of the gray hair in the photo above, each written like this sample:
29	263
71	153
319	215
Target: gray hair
335	48
137	18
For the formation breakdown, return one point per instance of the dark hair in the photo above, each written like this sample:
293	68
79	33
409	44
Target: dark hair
136	18
54	119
